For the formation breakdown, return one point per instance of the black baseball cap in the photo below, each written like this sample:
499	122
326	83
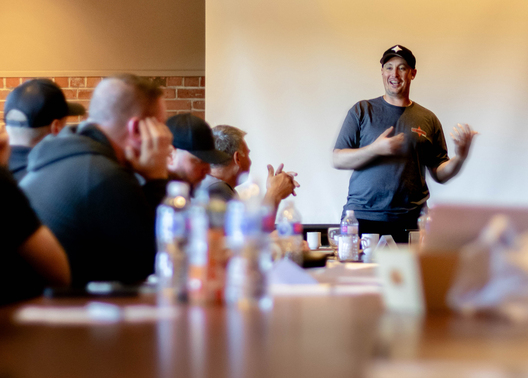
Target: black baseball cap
402	52
193	134
37	103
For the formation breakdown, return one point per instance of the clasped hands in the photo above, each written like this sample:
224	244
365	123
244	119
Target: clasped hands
282	184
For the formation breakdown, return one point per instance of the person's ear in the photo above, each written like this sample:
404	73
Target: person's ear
133	131
413	74
236	158
57	125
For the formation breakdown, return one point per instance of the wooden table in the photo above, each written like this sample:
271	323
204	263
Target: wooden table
299	337
325	336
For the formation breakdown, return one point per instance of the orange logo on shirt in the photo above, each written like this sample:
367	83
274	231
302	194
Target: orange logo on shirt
419	131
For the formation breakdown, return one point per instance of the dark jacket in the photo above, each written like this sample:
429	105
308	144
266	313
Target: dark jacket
18	161
18	222
96	207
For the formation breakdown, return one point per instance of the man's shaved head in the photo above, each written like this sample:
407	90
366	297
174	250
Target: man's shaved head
119	98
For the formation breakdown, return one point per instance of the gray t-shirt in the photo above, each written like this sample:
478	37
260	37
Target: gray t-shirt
391	188
218	188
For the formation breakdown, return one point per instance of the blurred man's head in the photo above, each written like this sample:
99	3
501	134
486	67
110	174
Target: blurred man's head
119	103
230	140
117	99
35	109
193	149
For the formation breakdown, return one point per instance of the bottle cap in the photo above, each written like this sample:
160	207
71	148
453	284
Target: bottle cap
349	212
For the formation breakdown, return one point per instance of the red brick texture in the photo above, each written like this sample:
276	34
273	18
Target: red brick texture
182	94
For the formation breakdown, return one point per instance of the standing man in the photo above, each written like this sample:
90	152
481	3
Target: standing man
32	111
388	142
83	186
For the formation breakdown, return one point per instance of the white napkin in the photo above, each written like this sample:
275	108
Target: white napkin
387	241
492	276
286	271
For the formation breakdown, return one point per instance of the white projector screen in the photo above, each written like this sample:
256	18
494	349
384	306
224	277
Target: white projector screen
287	72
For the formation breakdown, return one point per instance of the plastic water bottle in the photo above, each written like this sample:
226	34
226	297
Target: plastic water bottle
197	248
290	230
248	268
423	222
171	238
218	255
348	249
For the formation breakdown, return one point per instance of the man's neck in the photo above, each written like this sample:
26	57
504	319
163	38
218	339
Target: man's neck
403	101
115	141
225	174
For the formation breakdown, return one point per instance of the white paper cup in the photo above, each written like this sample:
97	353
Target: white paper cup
313	239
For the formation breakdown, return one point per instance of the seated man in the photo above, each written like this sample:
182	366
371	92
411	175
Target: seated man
82	183
225	175
32	258
32	111
193	149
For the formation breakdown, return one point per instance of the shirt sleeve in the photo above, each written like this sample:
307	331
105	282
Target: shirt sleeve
222	190
18	221
438	153
349	134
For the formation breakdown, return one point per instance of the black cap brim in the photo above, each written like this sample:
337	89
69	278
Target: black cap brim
389	56
211	156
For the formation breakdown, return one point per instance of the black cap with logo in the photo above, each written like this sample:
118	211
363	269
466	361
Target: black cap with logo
402	52
193	134
37	103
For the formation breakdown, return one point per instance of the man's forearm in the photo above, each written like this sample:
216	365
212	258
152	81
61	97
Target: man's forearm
447	170
353	158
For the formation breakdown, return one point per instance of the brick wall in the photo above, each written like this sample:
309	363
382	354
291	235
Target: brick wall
182	93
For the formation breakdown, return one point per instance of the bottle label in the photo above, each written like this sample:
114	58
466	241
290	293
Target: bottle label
288	229
164	224
170	226
349	229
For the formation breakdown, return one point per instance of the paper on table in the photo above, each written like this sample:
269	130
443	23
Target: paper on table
347	273
93	313
441	369
387	241
492	275
287	272
323	289
287	278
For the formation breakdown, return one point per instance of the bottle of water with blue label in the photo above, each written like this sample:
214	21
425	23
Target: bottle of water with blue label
249	267
290	231
171	239
348	248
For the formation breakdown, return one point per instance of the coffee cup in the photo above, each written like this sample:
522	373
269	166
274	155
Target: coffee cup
369	243
313	239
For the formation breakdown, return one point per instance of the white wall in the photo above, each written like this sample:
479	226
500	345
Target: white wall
287	71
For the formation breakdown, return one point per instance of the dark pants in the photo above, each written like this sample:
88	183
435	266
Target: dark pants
399	230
